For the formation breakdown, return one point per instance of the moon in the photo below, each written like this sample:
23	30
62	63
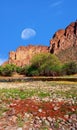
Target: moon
27	33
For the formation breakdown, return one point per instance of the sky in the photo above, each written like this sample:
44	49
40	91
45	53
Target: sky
25	22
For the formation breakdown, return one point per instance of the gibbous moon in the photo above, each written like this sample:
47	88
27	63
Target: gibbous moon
28	33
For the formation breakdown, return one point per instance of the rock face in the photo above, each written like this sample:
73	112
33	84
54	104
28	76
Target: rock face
24	54
64	43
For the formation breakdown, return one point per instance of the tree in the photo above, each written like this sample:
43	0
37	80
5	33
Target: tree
1	69
8	69
69	68
46	64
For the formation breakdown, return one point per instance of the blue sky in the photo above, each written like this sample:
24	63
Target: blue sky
24	22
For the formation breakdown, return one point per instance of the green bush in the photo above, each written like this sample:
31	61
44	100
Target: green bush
45	64
1	69
69	68
31	71
7	70
20	70
41	65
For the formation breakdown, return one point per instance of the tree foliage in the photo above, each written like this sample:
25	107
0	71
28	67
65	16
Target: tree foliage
41	65
7	70
69	68
44	64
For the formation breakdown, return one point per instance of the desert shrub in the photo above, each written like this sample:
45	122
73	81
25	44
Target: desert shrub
20	70
69	68
45	64
1	69
26	70
7	70
31	70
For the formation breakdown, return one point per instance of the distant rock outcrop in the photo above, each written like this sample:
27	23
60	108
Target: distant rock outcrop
64	43
24	54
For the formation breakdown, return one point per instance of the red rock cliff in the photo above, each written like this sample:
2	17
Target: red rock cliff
24	54
63	44
63	39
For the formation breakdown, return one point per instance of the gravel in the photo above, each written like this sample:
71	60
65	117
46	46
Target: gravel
31	120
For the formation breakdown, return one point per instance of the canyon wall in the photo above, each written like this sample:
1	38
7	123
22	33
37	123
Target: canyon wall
63	44
23	55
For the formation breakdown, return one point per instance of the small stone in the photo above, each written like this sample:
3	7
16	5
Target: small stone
76	125
19	128
73	116
27	115
63	128
73	129
66	116
62	122
14	118
30	129
43	118
40	110
51	124
37	118
56	108
70	121
47	123
49	119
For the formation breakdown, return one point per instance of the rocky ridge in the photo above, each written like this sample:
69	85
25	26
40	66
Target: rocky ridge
63	44
24	54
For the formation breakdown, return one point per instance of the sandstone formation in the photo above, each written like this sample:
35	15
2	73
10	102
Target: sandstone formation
24	54
64	43
64	39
